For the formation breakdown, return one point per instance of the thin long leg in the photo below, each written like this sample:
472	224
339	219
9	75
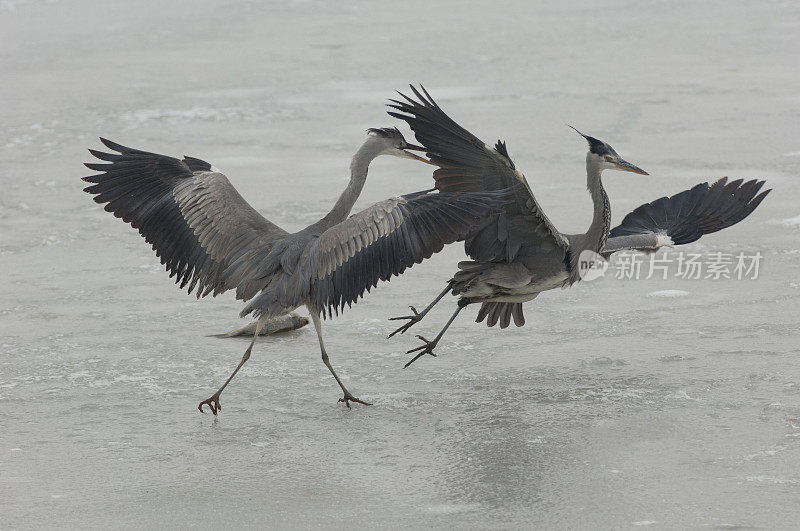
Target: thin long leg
213	402
417	317
428	347
348	397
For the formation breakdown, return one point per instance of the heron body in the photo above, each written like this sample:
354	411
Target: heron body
211	240
518	253
543	261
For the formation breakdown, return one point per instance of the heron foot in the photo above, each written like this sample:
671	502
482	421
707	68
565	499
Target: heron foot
426	348
347	398
213	404
412	320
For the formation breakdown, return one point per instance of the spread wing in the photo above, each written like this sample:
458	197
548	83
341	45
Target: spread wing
466	164
389	237
196	221
686	216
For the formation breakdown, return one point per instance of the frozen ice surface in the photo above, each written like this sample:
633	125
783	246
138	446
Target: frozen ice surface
608	409
668	293
791	222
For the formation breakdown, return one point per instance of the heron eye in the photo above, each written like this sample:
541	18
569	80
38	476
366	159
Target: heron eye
608	158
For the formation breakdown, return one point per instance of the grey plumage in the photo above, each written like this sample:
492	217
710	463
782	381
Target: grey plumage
385	239
518	253
686	216
211	240
196	221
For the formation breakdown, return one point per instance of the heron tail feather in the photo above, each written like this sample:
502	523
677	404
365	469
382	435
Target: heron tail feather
501	312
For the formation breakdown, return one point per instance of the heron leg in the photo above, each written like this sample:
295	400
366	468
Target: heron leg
348	397
428	346
417	316
213	401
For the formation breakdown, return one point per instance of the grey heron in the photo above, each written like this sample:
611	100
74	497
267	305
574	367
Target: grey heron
211	240
518	253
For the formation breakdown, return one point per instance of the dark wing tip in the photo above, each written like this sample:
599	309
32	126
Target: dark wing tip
704	209
502	149
760	197
409	100
116	147
195	164
97	166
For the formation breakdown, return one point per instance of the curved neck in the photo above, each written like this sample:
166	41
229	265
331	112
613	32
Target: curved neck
601	218
595	237
359	166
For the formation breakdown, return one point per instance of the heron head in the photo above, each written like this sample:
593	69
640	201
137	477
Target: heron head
392	142
606	158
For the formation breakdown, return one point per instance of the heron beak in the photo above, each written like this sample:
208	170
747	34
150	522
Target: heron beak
624	165
414	147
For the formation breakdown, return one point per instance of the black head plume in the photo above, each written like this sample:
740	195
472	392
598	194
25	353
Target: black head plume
385	132
598	147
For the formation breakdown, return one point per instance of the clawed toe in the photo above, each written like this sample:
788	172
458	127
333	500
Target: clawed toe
412	320
350	398
213	404
426	348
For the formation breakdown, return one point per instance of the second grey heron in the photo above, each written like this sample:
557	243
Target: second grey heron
212	240
518	253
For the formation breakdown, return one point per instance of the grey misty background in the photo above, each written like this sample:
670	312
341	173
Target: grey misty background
612	407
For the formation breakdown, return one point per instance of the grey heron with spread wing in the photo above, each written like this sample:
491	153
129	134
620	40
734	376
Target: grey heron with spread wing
518	253
211	240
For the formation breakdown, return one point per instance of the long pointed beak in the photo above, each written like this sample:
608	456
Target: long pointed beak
624	165
414	147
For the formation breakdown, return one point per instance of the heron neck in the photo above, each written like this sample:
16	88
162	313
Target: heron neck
359	166
596	236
